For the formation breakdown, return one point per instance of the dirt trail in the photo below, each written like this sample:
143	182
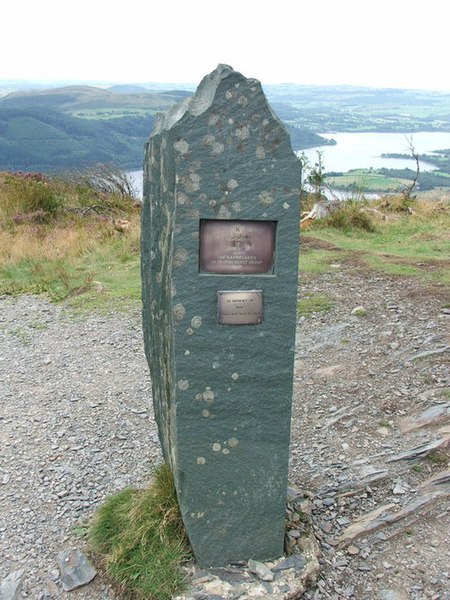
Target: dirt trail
76	424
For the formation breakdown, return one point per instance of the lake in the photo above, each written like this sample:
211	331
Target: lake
364	150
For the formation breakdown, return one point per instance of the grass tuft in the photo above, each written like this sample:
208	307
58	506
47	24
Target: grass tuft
140	539
348	217
312	304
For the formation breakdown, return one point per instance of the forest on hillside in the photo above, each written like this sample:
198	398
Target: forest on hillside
76	126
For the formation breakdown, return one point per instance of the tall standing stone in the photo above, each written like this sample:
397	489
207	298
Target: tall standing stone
220	225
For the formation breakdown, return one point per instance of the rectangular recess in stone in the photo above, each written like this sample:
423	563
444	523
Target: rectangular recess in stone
240	307
236	247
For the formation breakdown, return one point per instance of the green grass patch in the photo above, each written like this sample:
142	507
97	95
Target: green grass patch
139	538
365	180
416	245
437	458
316	262
99	279
312	304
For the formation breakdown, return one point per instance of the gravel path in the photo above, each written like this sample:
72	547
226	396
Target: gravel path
76	425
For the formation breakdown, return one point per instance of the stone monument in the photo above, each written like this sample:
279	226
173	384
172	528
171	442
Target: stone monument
220	225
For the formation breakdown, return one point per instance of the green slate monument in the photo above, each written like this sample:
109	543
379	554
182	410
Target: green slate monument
220	227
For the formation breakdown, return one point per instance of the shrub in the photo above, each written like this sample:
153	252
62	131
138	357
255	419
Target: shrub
350	216
28	194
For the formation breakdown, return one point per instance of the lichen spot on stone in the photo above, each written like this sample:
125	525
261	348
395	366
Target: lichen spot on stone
197	515
180	257
286	206
201	460
213	119
235	376
228	95
217	148
181	198
232	184
186	353
196	322
205	413
216	447
224	213
213	203
242	133
233	442
208	395
225	451
183	384
236	206
265	198
178	312
189	331
243	100
260	152
208	140
181	146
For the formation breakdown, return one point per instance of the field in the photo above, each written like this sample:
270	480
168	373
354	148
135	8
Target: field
73	242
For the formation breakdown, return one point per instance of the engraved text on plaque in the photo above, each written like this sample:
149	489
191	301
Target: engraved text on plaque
229	247
241	307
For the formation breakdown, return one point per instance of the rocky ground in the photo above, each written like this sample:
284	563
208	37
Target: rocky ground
76	425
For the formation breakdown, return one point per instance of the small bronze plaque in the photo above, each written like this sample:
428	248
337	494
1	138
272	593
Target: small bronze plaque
235	247
243	307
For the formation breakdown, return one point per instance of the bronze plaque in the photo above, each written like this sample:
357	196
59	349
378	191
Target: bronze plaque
243	307
235	247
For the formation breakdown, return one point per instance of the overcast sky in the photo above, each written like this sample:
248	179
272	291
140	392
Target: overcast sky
379	43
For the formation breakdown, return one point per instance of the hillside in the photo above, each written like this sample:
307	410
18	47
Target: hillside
74	126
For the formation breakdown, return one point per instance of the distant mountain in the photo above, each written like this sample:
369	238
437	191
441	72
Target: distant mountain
127	89
74	126
76	98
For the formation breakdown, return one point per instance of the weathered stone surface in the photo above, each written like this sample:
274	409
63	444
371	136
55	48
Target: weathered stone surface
431	416
10	586
260	570
75	569
222	393
422	450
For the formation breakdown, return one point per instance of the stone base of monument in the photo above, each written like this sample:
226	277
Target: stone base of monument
284	579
